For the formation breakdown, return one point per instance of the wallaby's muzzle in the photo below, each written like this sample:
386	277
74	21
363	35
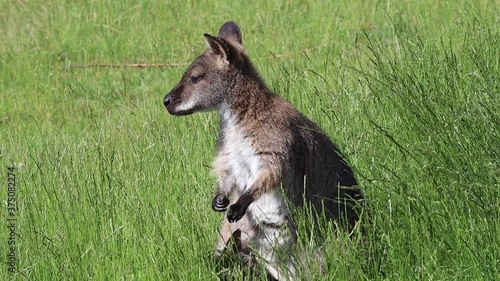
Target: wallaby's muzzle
172	102
167	101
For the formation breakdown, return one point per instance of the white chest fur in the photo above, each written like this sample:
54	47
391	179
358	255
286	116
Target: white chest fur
243	165
238	155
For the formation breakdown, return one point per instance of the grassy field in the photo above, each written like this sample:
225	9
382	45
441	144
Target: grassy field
110	187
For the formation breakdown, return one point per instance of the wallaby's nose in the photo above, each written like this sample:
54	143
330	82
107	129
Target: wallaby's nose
166	100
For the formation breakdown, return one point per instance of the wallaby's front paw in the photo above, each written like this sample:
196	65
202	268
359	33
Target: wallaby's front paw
220	203
235	213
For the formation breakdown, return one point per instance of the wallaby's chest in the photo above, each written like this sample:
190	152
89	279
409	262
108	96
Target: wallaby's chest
239	156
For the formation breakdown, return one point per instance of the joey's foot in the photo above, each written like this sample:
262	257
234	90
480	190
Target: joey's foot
236	212
220	203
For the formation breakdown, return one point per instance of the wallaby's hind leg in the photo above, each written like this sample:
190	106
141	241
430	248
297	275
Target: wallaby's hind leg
241	232
274	246
225	234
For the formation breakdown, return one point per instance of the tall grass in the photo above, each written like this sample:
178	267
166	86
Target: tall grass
109	187
443	98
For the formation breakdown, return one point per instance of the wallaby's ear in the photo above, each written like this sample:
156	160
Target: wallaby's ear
231	32
221	48
215	45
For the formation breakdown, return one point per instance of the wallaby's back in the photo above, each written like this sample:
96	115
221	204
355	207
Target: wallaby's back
313	168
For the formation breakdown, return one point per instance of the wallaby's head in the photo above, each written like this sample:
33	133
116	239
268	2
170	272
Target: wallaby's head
208	81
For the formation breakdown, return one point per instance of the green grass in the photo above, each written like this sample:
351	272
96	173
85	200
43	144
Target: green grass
110	187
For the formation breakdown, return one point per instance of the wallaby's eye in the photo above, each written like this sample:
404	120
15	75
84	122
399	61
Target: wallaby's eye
196	79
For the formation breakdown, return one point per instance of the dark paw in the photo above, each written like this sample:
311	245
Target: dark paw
235	213
220	203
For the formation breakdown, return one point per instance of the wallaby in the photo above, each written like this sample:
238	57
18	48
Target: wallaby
266	148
